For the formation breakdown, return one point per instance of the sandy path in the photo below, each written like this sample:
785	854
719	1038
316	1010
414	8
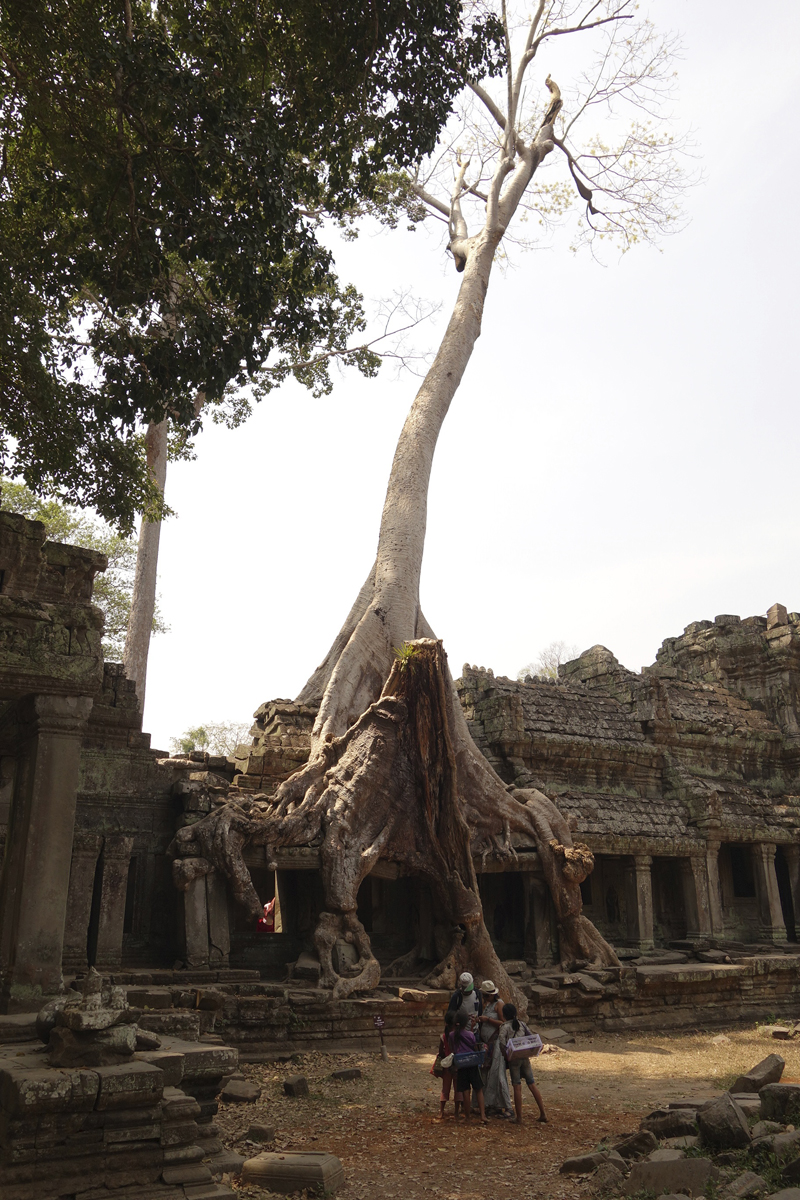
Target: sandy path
384	1130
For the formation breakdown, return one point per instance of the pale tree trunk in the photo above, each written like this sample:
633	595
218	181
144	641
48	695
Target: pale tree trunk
143	603
393	772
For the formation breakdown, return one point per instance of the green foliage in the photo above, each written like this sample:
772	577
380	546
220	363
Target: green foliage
113	589
405	653
163	177
215	737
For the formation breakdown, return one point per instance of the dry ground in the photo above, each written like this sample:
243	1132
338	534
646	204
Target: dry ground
384	1130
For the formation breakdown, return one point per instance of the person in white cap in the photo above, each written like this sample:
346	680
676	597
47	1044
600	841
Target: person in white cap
467	999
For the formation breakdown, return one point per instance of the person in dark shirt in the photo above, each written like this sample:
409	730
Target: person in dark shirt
468	1079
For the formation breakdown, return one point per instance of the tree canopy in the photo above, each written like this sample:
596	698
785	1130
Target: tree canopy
164	170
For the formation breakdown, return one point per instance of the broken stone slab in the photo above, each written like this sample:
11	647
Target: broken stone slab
777	1099
240	1091
786	1145
672	1123
781	1032
583	1164
769	1070
747	1184
723	1124
607	1178
347	1073
295	1085
763	1128
292	1170
714	956
687	1175
559	1037
515	966
260	1133
666	1154
687	1142
748	1103
637	1145
587	984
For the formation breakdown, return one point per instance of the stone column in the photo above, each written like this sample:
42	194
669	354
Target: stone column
195	923
537	921
694	872
36	867
639	906
715	910
219	933
116	863
792	855
85	852
770	914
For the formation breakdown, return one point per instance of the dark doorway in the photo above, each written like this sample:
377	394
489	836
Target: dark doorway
669	902
503	900
785	892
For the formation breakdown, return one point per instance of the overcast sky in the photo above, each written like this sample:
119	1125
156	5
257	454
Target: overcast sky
619	461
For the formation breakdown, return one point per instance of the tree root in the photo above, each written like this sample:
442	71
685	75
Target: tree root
405	783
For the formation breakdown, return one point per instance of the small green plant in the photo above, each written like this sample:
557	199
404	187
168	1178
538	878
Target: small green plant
405	653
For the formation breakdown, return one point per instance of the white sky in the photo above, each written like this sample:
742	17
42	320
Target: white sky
619	461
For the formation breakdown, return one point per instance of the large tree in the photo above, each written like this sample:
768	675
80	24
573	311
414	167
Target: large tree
164	168
393	771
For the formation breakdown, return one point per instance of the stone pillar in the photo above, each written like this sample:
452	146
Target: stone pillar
792	855
36	867
639	901
116	862
219	933
195	923
538	942
85	852
694	872
770	914
715	910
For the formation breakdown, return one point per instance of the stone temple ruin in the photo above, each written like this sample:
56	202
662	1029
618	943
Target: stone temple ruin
684	781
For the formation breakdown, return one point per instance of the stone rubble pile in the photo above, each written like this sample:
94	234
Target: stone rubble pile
743	1143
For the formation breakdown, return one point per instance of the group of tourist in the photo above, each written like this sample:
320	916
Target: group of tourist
478	1018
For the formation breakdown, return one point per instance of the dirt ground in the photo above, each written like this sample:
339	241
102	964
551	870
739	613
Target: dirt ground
384	1129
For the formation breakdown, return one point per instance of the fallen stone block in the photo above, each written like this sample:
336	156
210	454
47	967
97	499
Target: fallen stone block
786	1145
607	1178
687	1142
637	1145
688	1175
666	1154
781	1033
292	1170
583	1164
723	1124
769	1070
672	1123
347	1073
777	1099
748	1184
260	1133
240	1091
763	1128
748	1102
515	966
295	1085
558	1036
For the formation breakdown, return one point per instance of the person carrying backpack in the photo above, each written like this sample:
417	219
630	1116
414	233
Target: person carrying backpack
468	1078
467	999
521	1068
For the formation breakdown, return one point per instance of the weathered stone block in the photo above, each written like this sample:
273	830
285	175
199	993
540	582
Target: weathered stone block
777	1099
261	1133
723	1124
688	1175
637	1145
240	1091
295	1085
129	1085
769	1070
292	1170
347	1073
583	1164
